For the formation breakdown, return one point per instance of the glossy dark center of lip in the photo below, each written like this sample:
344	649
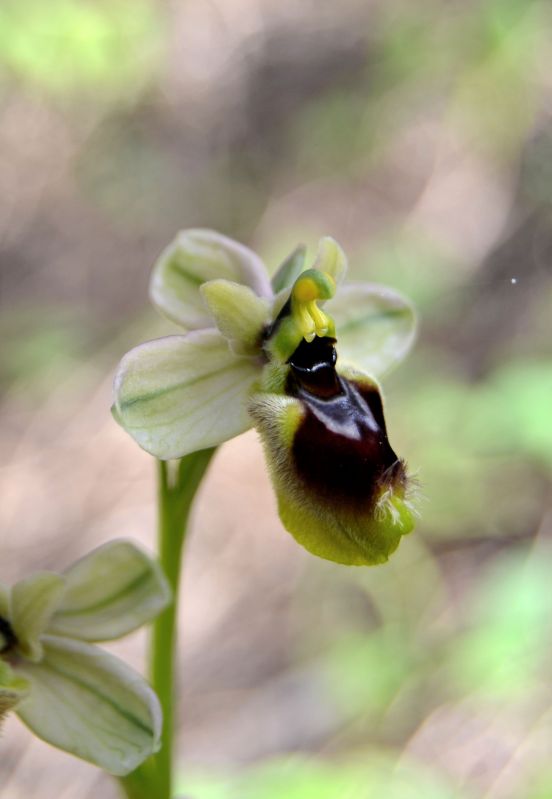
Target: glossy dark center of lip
7	636
313	368
341	449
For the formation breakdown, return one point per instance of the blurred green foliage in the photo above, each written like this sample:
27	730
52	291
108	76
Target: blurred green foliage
375	775
503	655
68	46
44	349
485	448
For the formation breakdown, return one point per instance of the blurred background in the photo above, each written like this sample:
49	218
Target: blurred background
420	136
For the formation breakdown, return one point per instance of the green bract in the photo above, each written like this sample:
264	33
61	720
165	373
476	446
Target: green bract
265	353
67	690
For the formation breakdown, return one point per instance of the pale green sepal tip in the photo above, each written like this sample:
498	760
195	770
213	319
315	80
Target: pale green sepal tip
330	258
110	592
92	705
239	314
290	269
174	286
34	601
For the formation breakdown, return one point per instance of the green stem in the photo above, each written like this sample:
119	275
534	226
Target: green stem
174	509
176	491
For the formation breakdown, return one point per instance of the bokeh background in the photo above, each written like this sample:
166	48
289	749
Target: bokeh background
420	136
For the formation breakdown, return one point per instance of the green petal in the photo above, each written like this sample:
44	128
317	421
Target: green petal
341	489
110	592
278	302
375	326
193	258
239	314
34	601
180	394
12	690
290	270
331	259
91	704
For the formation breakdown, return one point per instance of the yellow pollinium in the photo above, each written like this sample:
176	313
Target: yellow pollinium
310	287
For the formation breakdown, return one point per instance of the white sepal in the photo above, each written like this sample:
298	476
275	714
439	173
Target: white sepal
110	592
330	258
181	394
193	258
375	326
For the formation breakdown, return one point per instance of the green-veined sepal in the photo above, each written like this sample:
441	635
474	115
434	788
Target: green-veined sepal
375	326
110	592
89	703
193	258
290	270
180	394
330	258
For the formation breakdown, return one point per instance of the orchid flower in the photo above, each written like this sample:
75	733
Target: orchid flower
67	690
297	357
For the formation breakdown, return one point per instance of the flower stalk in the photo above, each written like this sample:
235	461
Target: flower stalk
177	485
177	488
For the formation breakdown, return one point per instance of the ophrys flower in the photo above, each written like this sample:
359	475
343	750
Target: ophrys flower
264	353
65	688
